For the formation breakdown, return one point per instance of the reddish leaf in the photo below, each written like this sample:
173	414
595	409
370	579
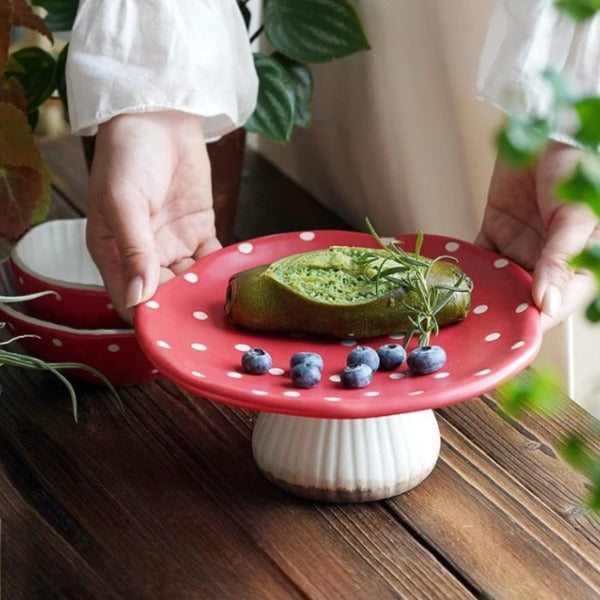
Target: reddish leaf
17	143
12	91
20	191
24	16
42	208
6	11
22	168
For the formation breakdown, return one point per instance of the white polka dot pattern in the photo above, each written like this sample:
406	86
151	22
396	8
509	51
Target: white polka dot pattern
204	348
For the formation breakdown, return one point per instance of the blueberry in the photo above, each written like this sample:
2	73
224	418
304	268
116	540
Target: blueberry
363	355
357	376
256	361
305	375
426	359
391	356
310	358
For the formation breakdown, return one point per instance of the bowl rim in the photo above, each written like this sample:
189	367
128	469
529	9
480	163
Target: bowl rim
58	283
24	317
62	284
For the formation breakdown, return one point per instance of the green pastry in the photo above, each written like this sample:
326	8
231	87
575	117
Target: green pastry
346	291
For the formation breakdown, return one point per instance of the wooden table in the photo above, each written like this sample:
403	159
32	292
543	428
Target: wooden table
163	499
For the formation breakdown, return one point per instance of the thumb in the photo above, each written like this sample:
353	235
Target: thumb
140	267
121	243
556	288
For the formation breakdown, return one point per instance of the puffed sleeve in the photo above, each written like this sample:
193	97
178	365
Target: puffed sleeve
527	36
147	55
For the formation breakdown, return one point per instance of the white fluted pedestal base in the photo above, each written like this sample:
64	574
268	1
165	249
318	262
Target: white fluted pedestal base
346	460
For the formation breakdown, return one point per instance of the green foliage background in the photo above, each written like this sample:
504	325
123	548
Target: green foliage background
519	142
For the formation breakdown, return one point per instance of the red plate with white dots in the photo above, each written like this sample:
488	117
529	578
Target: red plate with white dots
184	331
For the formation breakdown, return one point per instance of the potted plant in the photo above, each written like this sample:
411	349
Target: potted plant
300	32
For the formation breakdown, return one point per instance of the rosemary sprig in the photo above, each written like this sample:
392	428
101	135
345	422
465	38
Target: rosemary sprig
410	272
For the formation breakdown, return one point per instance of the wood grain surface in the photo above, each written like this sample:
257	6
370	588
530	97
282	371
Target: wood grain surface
160	498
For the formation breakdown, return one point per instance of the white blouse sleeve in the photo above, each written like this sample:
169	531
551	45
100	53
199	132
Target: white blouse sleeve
524	38
147	55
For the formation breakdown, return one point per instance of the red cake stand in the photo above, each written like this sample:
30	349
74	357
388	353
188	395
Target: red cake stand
328	442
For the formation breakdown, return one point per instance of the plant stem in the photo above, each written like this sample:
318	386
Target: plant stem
256	33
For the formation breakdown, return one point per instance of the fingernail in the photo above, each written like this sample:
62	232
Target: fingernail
552	301
134	292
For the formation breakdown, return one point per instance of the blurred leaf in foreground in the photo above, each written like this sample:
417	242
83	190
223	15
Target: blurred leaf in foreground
539	392
578	10
583	185
588	112
521	139
576	452
588	259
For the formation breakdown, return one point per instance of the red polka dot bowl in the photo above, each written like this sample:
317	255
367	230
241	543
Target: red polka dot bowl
53	256
113	352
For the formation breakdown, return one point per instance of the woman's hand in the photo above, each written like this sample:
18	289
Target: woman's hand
150	215
524	221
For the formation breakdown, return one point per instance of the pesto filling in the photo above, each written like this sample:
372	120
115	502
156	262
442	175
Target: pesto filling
337	275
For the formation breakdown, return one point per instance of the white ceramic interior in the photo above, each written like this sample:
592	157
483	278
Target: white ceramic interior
56	251
346	460
20	311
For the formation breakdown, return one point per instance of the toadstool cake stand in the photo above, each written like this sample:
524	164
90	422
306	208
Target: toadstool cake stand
329	443
346	460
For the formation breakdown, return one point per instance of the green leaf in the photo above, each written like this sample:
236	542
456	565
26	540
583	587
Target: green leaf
521	140
303	86
314	30
578	10
32	118
588	259
562	93
38	79
61	13
592	312
275	109
246	14
583	185
593	501
61	79
588	111
540	392
42	207
574	450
